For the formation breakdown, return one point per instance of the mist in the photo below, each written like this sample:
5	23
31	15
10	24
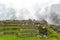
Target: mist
49	12
7	12
54	14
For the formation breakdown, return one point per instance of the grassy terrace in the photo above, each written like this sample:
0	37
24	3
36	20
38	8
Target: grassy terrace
21	31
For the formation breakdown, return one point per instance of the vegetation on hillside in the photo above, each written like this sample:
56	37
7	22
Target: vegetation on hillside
49	32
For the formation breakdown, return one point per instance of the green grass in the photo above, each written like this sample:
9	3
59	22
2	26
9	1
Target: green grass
8	37
15	37
11	26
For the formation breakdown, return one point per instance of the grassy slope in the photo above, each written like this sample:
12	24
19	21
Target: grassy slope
14	37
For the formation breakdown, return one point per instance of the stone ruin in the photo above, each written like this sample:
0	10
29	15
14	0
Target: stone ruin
26	24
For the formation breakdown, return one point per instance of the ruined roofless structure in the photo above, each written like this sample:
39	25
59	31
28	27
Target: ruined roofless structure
6	25
26	24
21	22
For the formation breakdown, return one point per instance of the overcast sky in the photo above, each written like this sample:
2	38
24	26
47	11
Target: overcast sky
18	4
29	4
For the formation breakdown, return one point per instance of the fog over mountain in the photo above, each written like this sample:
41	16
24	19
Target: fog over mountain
50	13
54	14
48	10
